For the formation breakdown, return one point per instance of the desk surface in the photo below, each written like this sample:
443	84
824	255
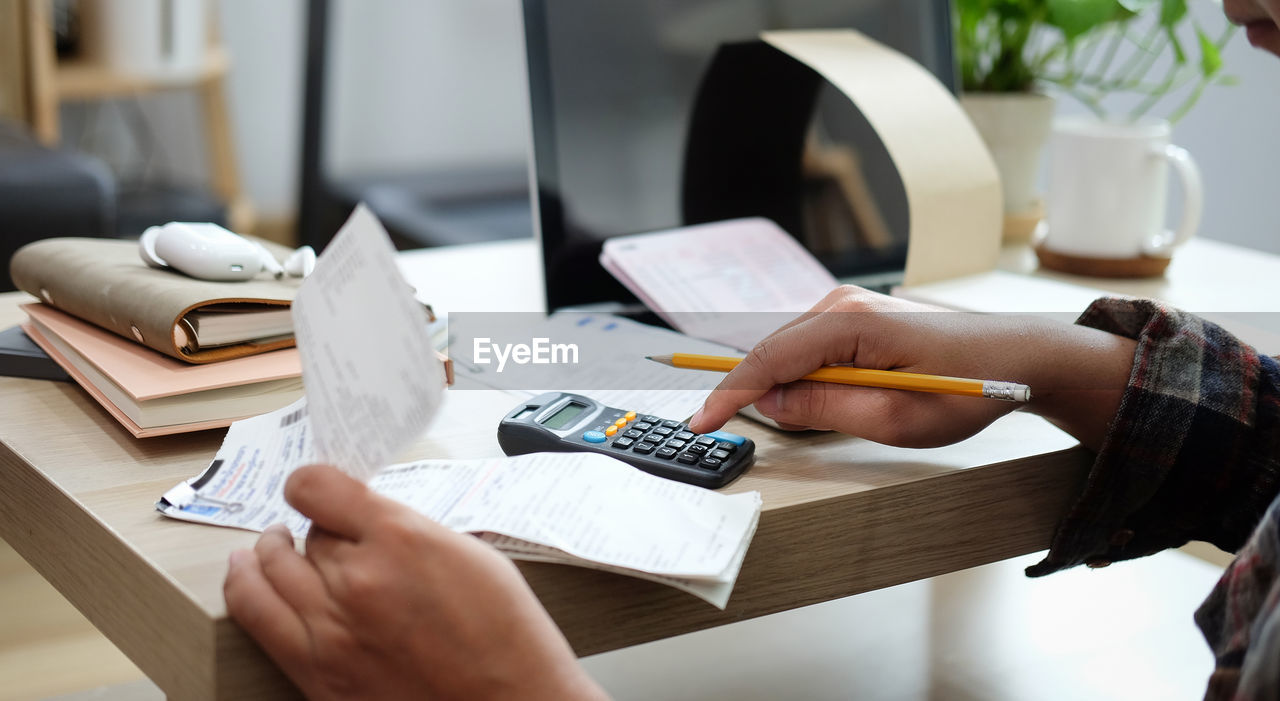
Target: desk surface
1204	276
841	516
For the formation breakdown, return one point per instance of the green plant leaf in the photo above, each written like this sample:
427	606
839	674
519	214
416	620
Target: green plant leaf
1179	53
972	11
1210	57
1172	12
1078	17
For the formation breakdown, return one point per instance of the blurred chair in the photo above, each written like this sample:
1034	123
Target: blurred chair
442	208
48	192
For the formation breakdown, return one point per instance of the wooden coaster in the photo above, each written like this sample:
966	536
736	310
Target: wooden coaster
1142	266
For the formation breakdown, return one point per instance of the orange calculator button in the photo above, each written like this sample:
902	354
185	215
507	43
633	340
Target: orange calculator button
611	430
620	422
630	416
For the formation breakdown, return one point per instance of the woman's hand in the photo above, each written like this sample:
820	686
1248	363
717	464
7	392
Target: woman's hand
1076	374
388	604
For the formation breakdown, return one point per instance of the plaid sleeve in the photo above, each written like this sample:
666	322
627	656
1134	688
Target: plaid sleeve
1241	621
1192	452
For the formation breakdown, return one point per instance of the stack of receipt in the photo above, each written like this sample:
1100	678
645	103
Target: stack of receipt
373	385
578	509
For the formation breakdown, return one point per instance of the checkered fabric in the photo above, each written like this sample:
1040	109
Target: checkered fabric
1192	454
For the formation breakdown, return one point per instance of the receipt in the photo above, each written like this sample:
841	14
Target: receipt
243	487
372	379
585	504
581	509
714	591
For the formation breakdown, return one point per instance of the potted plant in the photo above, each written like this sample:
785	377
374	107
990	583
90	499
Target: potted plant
1015	54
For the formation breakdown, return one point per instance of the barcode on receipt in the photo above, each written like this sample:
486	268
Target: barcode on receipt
293	417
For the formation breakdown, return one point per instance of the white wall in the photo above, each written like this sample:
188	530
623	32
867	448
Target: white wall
411	85
1235	136
432	84
265	40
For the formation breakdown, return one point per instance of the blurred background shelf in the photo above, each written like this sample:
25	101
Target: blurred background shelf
51	76
81	79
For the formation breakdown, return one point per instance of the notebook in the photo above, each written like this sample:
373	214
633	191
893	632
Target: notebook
20	357
151	394
733	282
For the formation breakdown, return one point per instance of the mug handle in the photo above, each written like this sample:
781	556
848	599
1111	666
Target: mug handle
1161	245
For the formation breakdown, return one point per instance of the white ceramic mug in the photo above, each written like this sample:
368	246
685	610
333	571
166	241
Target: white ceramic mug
1108	184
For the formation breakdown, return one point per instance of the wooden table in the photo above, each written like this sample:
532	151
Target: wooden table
841	516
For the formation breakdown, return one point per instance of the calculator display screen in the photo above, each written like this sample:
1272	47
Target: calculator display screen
565	416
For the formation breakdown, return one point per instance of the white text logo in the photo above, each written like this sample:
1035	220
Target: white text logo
540	352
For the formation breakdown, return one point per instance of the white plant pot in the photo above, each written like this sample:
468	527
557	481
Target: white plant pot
1015	127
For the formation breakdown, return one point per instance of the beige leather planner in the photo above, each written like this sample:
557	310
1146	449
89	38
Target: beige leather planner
103	281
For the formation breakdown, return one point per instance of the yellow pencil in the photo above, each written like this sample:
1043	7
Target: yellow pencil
862	377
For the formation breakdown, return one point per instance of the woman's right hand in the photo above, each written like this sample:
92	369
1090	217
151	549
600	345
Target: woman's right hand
1076	374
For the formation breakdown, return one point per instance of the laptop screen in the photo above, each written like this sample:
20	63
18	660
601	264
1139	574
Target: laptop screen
653	114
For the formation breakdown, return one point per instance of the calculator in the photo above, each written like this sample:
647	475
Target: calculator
563	422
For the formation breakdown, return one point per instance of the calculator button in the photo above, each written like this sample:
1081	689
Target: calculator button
687	458
611	430
622	443
644	447
670	424
719	454
666	453
711	463
727	447
650	418
673	443
684	436
643	426
661	431
629	416
708	441
727	437
696	448
593	437
632	433
620	422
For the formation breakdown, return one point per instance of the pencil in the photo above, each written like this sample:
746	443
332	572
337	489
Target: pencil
862	377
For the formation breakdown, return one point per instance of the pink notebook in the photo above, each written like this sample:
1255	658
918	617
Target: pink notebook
147	391
732	282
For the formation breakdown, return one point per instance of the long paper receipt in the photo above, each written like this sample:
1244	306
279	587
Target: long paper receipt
581	509
369	369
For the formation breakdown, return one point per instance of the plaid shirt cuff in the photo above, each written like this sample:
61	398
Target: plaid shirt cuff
1188	455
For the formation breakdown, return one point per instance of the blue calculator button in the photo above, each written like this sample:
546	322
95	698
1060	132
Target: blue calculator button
593	437
727	437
